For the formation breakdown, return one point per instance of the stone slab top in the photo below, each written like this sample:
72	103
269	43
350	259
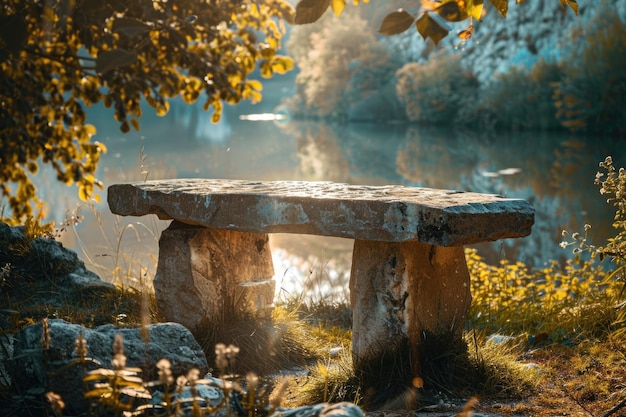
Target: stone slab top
390	213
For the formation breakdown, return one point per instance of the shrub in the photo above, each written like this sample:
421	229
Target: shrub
522	99
338	64
438	90
592	95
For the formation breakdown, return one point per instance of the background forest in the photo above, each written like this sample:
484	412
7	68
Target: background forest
540	68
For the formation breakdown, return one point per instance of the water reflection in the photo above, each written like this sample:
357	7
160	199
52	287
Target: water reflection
553	171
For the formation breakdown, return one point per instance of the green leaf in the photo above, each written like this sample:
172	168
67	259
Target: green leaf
116	58
430	28
309	11
396	22
129	27
452	12
501	5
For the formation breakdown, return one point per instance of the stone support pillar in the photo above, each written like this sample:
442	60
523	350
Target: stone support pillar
207	275
409	301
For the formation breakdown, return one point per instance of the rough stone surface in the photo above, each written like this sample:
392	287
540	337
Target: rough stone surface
383	213
206	274
342	409
409	301
40	274
35	373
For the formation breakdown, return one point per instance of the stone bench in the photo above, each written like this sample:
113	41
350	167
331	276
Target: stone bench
409	284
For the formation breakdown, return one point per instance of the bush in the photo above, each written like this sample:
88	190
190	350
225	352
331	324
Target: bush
592	95
339	65
437	91
522	99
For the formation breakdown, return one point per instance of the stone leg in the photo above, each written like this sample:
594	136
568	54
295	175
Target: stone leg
409	301
207	275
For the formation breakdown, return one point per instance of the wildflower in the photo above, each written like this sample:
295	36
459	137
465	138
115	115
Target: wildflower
587	227
221	361
576	235
165	372
80	346
181	381
193	375
278	395
576	251
253	381
563	244
119	359
56	403
564	233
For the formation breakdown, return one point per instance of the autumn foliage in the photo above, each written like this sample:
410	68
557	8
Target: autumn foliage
59	56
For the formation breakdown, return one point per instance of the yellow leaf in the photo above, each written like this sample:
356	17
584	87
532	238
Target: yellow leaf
338	6
282	64
451	11
255	85
501	5
83	194
90	129
429	28
266	70
101	147
217	112
97	393
475	8
255	97
163	108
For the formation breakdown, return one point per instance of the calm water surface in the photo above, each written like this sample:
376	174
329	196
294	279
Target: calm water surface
554	172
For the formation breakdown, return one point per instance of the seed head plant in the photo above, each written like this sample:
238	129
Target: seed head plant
612	183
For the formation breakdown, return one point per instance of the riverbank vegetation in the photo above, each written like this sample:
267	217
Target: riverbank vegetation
355	75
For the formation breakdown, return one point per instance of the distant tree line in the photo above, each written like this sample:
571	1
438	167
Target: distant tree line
354	74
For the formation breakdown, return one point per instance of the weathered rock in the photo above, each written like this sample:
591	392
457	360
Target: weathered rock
383	213
342	409
409	301
36	371
205	396
205	275
40	275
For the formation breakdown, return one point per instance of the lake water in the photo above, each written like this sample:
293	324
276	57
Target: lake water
554	172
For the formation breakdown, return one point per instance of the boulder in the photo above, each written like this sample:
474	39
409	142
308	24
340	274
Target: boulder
342	409
36	371
40	277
